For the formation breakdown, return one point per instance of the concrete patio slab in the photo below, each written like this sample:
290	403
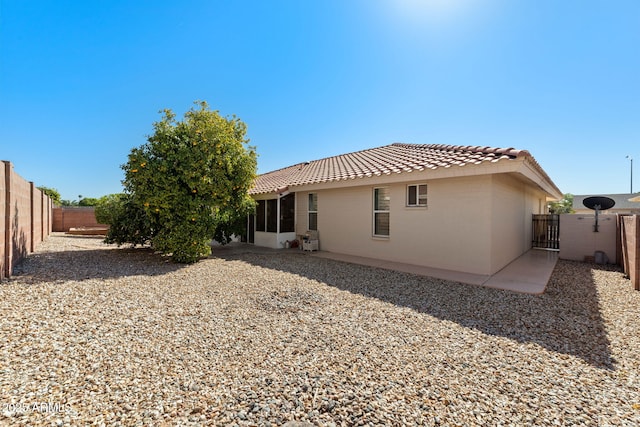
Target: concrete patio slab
529	273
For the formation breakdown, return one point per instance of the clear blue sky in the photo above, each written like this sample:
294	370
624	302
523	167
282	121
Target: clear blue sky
81	82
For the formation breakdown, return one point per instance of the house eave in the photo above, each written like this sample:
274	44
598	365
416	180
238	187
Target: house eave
539	178
519	166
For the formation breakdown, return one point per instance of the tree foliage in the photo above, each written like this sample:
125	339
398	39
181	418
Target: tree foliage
53	194
128	221
108	208
563	206
191	179
87	201
82	201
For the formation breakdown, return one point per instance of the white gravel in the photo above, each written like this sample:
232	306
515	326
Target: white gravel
94	335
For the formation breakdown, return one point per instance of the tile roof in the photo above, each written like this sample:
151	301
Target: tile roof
386	160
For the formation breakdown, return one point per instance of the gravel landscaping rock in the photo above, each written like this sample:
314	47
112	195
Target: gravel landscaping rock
95	335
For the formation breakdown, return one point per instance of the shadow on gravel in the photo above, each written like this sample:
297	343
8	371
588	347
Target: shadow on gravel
565	319
85	264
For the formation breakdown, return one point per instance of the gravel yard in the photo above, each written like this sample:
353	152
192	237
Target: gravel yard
91	334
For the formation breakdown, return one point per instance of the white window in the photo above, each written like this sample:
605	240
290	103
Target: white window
381	206
417	195
313	211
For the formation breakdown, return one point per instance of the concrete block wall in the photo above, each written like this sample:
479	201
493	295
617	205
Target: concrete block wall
25	211
630	234
3	220
36	217
67	217
618	236
579	240
20	218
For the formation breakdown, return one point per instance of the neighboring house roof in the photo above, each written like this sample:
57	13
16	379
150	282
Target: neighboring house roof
386	160
622	201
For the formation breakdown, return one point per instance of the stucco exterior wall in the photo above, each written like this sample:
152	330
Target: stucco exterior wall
577	238
453	232
513	203
268	240
473	224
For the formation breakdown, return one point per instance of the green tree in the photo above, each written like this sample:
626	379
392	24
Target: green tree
128	221
108	208
192	179
565	205
53	194
87	201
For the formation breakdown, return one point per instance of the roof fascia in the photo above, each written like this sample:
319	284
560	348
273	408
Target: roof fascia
539	178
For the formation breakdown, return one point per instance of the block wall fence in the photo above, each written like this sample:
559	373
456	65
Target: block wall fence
26	218
618	237
630	243
67	217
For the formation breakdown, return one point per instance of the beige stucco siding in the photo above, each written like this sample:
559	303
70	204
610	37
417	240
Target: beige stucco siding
578	238
460	224
344	222
473	224
452	232
512	203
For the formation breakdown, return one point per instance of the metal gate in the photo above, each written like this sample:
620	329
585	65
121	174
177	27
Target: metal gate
546	231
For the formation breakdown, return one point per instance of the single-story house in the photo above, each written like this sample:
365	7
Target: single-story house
624	204
460	208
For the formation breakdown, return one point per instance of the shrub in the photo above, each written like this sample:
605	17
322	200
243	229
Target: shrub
128	221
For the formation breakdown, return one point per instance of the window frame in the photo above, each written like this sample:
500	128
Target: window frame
418	197
377	212
311	211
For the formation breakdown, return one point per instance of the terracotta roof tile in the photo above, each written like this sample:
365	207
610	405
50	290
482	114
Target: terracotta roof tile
386	160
